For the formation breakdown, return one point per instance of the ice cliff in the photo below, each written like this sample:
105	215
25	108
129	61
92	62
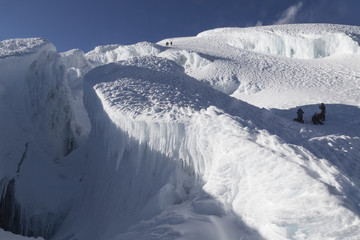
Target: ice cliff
37	130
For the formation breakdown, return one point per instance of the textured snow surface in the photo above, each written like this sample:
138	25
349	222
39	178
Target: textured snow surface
194	140
20	47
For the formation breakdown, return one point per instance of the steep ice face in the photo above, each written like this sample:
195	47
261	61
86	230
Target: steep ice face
14	94
49	104
37	130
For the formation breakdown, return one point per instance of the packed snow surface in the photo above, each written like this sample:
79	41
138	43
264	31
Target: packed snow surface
194	140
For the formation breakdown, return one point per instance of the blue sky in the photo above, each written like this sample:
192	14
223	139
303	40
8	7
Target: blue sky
85	24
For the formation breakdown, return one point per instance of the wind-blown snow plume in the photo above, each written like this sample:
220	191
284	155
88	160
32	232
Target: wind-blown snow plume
289	15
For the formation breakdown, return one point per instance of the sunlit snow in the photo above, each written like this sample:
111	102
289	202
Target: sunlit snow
194	140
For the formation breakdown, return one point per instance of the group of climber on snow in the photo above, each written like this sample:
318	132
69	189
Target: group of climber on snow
317	118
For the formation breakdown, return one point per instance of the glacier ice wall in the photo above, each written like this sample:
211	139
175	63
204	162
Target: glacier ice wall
38	130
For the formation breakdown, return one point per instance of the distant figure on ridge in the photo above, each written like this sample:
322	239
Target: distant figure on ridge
171	43
167	43
316	119
323	111
300	114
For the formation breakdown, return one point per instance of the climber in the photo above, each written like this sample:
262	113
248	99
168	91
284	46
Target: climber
323	111
300	114
316	119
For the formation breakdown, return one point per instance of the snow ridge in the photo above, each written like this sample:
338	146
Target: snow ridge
21	47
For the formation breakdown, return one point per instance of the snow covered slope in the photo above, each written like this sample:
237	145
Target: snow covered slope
196	140
278	66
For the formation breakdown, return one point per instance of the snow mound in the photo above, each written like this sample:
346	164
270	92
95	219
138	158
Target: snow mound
112	53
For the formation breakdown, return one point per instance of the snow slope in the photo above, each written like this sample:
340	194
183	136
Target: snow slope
196	140
244	63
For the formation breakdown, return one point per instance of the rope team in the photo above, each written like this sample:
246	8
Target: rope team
317	118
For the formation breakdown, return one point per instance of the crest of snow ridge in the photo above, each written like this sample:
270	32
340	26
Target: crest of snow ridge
20	47
293	41
153	87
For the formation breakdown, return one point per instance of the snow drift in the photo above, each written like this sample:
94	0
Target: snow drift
179	145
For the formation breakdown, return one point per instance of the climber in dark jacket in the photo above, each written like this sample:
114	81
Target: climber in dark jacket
316	119
323	111
300	114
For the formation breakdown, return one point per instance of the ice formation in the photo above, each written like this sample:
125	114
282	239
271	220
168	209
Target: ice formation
191	141
37	130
